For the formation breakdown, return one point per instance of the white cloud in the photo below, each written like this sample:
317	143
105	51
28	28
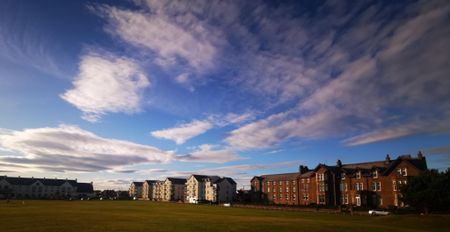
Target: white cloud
404	129
206	153
174	39
391	81
106	83
183	132
70	148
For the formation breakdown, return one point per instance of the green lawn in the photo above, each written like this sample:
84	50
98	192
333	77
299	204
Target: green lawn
136	216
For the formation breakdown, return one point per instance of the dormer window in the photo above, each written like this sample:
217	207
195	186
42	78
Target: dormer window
375	174
343	175
358	175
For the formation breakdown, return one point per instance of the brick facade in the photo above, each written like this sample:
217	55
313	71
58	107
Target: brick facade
373	184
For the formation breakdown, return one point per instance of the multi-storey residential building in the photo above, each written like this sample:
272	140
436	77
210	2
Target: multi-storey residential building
372	184
174	189
210	188
147	189
158	191
135	190
225	190
21	187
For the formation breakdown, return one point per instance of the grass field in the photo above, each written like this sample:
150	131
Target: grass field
136	216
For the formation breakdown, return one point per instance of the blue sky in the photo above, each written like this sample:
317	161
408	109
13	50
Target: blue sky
111	92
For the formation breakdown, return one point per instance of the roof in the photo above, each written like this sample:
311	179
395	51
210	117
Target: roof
202	177
150	181
366	165
230	180
137	184
282	176
307	174
177	180
32	180
85	188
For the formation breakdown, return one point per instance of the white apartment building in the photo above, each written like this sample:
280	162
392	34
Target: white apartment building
174	189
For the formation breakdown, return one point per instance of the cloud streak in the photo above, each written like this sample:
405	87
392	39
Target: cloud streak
183	132
70	148
207	153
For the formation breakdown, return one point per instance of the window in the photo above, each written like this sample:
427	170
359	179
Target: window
358	175
394	185
281	189
321	187
281	195
287	182
287	189
375	174
402	171
294	182
343	175
321	199
268	189
280	182
376	186
359	186
341	187
345	187
274	196
307	180
294	189
321	177
305	196
303	181
358	200
305	188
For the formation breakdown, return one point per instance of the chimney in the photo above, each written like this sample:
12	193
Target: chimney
303	169
339	163
420	155
387	159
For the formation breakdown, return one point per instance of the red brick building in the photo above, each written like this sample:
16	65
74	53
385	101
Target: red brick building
373	184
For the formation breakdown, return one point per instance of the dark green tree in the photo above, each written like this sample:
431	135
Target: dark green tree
428	192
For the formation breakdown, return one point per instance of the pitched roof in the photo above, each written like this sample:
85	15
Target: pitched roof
307	174
282	176
44	181
177	180
85	188
230	180
137	184
202	177
366	165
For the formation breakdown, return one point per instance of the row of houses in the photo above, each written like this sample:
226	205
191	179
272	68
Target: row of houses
196	188
369	184
43	188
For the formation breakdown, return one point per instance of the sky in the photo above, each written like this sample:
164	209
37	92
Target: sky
121	91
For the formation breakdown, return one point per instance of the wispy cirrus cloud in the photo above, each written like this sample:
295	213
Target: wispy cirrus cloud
175	39
208	153
70	148
107	84
372	90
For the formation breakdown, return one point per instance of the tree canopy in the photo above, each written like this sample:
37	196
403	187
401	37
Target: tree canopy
428	192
